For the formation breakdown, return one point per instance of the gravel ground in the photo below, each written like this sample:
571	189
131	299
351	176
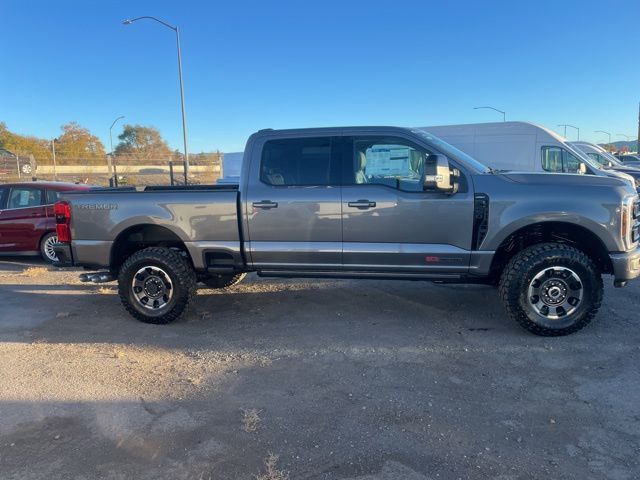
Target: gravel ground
311	379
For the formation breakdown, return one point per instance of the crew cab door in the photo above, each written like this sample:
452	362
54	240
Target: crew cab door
389	223
22	219
292	205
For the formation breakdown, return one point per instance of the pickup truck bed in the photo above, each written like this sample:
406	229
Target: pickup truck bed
203	219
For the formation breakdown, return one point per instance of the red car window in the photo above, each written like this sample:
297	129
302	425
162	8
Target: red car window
22	197
52	196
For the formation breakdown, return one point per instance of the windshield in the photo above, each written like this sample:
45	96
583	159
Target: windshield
611	158
452	151
603	159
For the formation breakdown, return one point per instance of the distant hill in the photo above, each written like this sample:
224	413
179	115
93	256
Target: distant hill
623	143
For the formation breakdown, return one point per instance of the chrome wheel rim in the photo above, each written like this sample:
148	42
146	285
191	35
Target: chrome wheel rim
26	168
555	292
152	287
48	248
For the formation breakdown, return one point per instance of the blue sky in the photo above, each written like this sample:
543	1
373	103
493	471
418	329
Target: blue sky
274	64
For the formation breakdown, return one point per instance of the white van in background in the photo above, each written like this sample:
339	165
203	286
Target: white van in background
519	146
230	168
598	153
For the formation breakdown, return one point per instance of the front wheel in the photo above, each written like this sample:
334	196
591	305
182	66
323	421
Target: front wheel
156	285
551	289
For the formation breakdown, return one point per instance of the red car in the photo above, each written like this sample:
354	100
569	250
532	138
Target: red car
27	223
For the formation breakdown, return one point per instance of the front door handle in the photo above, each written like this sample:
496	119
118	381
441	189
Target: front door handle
265	204
362	204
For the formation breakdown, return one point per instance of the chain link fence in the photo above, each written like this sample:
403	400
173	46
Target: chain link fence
132	170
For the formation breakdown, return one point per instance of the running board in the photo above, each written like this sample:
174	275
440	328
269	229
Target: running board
359	275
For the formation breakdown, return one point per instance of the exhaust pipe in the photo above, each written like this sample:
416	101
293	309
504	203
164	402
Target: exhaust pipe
97	277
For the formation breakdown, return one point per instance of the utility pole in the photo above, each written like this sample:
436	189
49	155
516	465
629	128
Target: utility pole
504	114
184	114
565	125
606	133
638	145
110	157
53	150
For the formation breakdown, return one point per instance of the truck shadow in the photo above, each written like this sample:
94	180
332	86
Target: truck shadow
256	309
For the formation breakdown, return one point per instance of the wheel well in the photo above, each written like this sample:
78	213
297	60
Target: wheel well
567	233
139	237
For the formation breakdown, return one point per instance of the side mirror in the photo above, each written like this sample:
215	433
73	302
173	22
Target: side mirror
439	176
582	169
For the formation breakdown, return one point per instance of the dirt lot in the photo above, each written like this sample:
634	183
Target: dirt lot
340	379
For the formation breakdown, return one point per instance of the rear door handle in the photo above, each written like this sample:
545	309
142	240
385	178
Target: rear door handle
362	204
265	204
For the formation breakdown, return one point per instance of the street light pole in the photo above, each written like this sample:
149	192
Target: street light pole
504	115
53	151
606	133
565	125
623	135
184	115
110	160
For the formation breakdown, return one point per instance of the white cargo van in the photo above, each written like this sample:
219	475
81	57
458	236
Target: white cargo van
519	146
598	153
230	171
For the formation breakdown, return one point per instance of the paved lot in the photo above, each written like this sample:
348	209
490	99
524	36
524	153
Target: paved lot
341	379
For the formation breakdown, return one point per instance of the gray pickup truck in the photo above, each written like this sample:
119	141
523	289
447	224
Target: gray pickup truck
363	202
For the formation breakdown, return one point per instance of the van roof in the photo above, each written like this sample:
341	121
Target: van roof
511	127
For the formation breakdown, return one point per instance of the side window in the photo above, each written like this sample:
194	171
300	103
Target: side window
559	160
570	163
52	197
601	159
552	159
3	195
296	162
388	161
24	197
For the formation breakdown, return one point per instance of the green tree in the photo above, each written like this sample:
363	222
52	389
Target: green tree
142	143
77	143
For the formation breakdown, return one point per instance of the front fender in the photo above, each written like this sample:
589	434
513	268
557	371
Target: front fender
506	218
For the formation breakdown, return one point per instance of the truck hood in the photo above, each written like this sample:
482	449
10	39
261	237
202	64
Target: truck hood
613	179
570	179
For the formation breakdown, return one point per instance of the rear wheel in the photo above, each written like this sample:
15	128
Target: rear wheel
26	168
46	247
223	281
551	289
156	285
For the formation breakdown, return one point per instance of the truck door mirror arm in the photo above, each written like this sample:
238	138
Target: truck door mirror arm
439	176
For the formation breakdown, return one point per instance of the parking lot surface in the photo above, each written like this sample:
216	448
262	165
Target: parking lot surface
338	379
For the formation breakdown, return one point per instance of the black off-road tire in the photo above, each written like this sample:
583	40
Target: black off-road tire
223	281
521	272
181	277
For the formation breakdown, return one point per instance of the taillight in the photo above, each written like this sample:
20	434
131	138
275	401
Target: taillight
62	212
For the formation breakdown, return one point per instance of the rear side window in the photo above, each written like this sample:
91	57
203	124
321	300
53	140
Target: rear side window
3	195
52	197
296	162
559	160
25	197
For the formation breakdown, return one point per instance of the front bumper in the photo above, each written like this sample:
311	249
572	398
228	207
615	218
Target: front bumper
626	266
63	252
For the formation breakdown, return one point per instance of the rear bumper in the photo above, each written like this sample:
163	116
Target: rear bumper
626	266
64	254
